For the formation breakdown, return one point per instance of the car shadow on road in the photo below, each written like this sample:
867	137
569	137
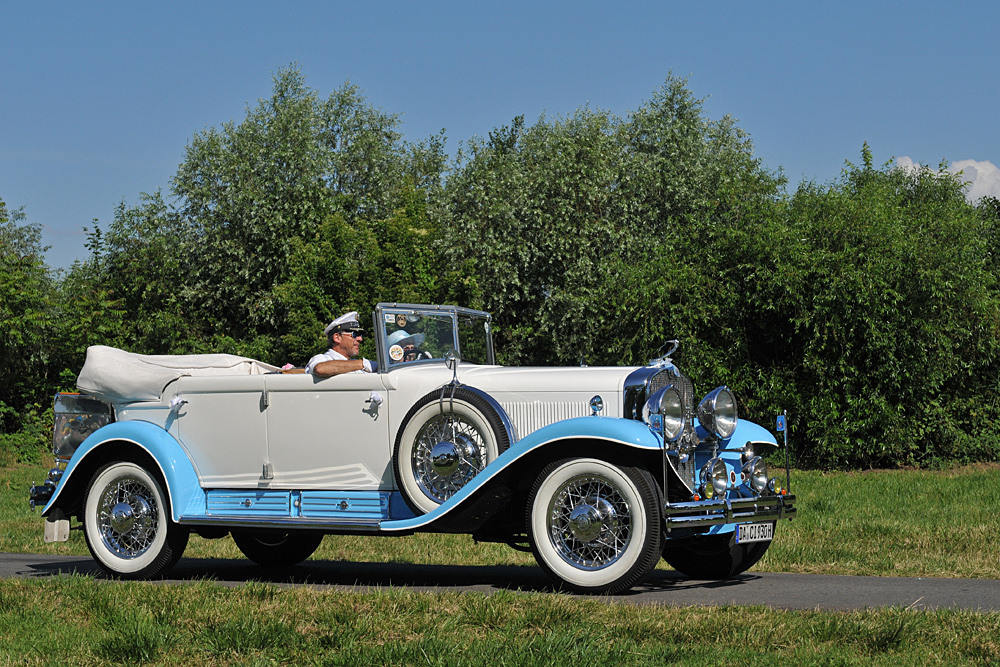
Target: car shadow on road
367	576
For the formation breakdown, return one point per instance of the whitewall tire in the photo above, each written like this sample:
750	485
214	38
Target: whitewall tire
443	443
126	522
594	526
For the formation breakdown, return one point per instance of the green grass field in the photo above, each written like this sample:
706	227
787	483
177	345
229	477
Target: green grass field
884	523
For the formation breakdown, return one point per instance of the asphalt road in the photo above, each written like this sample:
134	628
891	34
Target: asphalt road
663	587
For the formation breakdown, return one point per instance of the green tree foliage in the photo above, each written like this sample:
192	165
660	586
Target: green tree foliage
868	307
232	263
596	238
878	292
27	318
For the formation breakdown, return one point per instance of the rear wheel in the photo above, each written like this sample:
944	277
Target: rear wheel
595	527
127	523
713	556
277	549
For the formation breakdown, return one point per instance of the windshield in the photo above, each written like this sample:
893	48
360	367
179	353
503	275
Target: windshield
414	334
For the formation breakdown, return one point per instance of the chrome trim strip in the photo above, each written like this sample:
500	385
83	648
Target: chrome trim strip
716	512
358	525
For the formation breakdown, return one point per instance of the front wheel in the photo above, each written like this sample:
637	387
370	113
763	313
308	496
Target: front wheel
595	527
127	525
277	549
713	556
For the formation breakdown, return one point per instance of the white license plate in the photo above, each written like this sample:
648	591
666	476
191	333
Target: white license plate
754	532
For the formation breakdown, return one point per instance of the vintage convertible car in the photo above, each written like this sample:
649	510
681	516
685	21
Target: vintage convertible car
599	471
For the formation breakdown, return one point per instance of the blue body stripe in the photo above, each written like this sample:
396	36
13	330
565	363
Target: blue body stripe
625	431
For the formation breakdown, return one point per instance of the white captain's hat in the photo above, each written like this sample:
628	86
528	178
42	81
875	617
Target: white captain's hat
346	322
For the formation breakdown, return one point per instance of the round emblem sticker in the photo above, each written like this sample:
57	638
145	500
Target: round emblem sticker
396	352
401	320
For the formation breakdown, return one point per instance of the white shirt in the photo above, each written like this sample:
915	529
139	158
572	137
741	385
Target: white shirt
332	355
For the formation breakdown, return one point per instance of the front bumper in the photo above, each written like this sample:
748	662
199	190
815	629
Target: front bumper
697	514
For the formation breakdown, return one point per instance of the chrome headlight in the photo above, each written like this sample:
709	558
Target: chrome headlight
755	474
714	479
717	412
665	410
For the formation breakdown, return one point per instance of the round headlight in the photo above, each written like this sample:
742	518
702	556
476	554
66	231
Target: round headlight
714	478
717	412
665	409
755	474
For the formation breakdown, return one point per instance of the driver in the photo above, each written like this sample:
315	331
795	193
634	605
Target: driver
343	337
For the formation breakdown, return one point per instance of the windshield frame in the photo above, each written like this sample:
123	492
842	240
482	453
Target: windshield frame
388	311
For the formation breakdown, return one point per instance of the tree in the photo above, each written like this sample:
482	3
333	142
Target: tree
879	293
27	318
578	232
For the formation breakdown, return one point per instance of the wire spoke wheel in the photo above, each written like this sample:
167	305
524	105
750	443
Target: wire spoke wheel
589	522
447	438
595	526
449	452
129	516
126	521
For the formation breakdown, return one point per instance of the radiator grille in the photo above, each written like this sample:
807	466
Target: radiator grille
686	469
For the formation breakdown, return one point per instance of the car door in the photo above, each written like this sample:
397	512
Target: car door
221	423
329	433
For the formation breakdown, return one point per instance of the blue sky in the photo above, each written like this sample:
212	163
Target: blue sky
100	99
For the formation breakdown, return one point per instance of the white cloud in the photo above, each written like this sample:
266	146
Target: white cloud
983	176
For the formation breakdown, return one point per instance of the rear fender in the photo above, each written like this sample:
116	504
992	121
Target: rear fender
183	488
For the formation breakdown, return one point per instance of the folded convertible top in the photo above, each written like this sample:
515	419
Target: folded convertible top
117	375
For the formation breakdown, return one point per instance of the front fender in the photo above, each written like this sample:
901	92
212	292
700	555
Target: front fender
183	488
747	431
627	432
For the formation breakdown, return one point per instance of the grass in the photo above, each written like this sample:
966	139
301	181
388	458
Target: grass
888	523
881	523
81	621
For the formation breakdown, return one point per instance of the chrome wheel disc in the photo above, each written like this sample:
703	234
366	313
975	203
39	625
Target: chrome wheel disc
589	522
128	517
448	452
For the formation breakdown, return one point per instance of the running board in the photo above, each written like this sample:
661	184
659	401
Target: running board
288	523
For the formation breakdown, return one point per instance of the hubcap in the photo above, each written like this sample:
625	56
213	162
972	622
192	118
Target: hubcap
444	458
588	521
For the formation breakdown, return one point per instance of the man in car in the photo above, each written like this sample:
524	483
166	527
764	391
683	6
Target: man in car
344	336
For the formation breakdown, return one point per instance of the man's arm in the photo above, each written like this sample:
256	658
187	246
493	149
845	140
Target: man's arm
338	367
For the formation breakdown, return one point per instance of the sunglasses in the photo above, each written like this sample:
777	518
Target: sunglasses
356	333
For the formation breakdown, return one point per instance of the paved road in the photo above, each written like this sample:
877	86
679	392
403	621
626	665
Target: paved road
777	590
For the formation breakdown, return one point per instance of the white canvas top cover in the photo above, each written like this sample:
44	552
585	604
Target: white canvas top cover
118	375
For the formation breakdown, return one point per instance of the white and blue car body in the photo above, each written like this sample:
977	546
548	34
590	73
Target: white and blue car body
600	471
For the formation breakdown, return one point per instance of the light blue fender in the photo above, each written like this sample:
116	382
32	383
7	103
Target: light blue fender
627	432
749	432
186	495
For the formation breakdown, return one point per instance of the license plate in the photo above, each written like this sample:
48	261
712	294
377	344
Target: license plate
754	532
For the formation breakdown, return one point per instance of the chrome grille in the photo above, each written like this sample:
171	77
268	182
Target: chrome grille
683	383
686	469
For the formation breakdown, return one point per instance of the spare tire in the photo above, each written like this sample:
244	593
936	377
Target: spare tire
445	440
